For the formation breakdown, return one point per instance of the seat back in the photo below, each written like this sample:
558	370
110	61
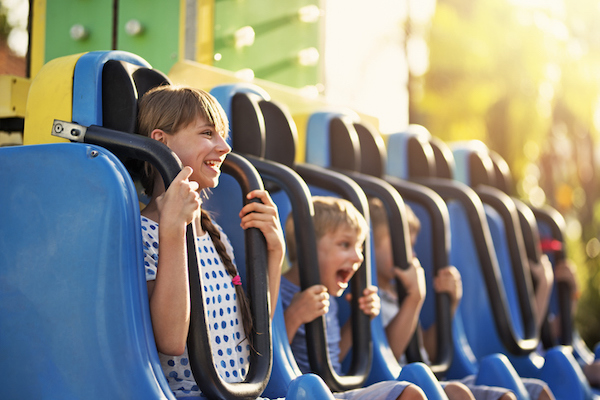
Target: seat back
73	306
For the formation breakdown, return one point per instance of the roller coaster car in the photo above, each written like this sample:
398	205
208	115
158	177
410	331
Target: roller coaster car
496	296
254	117
74	309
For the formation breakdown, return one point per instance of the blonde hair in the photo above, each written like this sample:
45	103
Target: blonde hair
331	213
171	108
380	219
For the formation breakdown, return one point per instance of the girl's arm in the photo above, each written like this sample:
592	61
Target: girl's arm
169	293
265	217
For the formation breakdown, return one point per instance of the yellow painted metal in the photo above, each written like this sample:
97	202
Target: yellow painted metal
14	96
50	97
37	49
206	32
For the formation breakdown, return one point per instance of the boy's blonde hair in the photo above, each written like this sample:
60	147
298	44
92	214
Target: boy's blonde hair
171	108
379	218
331	213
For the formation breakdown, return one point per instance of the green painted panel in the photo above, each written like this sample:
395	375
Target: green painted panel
158	42
279	36
61	15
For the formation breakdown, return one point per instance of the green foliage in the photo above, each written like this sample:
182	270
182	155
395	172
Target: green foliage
511	74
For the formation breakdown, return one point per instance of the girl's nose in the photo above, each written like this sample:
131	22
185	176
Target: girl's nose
223	146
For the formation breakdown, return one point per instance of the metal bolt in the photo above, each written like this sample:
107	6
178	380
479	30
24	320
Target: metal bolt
78	32
75	132
58	128
94	153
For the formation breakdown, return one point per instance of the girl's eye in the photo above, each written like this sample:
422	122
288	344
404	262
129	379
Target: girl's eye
207	133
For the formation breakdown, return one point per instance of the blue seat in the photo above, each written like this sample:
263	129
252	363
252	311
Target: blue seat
73	306
483	328
280	134
106	86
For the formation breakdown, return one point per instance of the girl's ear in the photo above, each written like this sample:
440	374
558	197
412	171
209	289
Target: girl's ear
160	135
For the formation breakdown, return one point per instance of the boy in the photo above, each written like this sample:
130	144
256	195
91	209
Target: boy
341	231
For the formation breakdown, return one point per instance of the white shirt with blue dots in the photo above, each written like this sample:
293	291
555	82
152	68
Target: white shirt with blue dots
230	349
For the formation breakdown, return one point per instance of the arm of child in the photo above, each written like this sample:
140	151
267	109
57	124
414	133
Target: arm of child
169	295
305	306
370	304
265	217
542	271
402	327
447	280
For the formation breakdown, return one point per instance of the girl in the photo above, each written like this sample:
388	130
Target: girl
194	126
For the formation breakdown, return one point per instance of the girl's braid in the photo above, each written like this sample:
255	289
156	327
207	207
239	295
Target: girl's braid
243	301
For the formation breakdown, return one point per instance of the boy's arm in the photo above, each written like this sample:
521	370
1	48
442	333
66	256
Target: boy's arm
305	307
370	304
402	327
447	280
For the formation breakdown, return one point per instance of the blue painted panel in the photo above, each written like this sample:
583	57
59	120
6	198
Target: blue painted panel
73	306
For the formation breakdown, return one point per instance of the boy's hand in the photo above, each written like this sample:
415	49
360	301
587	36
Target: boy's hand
448	280
369	302
413	280
307	305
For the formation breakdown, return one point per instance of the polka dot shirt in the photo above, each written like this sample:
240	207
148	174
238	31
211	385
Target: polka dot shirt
230	349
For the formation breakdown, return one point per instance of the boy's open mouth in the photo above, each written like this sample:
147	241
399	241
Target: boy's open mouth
343	276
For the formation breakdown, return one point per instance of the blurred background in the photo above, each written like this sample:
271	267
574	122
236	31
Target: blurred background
523	76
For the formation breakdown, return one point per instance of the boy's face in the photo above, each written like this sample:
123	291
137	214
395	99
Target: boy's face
340	255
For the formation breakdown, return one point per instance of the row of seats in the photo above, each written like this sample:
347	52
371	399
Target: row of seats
97	294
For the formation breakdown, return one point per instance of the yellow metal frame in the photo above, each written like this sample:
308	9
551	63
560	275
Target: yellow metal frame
50	97
14	91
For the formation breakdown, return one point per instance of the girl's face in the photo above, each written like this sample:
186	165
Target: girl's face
202	148
340	255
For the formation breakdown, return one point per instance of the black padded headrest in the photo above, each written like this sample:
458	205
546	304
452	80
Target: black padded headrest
123	84
281	133
444	160
373	155
481	170
344	145
503	176
247	125
421	162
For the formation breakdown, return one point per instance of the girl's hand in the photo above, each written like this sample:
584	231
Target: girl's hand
180	203
413	280
448	280
265	217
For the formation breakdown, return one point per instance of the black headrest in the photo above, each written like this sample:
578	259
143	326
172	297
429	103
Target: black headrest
247	125
421	162
123	84
481	169
502	173
444	160
373	154
344	145
281	133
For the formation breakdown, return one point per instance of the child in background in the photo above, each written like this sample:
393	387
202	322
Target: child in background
341	231
192	124
564	271
448	281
